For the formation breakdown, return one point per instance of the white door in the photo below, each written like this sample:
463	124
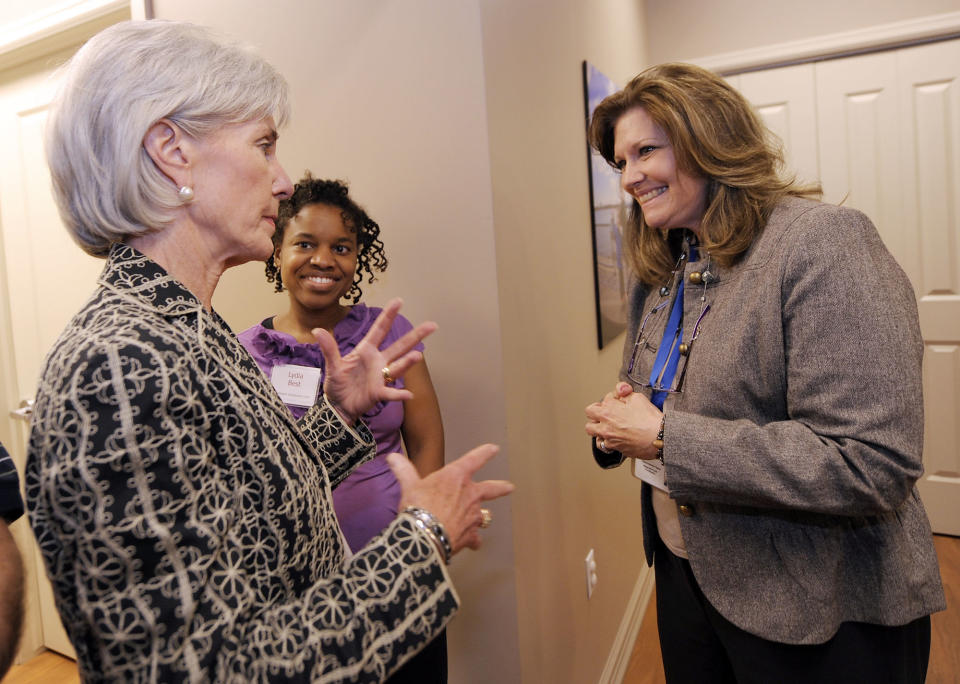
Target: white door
47	279
786	100
929	99
890	142
886	138
858	132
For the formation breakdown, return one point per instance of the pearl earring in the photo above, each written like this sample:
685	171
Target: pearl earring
185	193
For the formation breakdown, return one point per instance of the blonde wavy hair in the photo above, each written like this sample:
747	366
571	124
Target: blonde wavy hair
715	135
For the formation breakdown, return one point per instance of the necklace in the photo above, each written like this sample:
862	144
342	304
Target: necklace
675	325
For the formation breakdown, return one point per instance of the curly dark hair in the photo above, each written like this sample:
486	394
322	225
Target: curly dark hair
309	190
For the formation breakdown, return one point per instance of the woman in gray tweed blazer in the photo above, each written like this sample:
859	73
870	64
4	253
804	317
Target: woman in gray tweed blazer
771	399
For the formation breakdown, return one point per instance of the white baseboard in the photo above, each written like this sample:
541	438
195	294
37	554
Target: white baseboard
619	657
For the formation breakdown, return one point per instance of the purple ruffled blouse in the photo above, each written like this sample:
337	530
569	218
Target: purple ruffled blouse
366	501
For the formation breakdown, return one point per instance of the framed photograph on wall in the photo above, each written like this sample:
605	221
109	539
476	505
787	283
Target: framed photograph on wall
609	209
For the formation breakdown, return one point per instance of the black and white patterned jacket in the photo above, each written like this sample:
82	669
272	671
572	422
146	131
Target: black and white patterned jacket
186	519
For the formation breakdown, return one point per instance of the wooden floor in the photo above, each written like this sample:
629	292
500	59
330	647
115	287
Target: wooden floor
46	668
645	666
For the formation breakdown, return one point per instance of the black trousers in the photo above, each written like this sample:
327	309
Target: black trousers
700	646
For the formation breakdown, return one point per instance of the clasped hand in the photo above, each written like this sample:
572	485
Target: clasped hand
626	421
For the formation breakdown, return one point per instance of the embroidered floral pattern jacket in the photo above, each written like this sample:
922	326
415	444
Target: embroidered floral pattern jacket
185	518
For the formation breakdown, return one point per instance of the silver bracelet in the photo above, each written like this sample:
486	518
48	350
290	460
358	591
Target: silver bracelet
425	521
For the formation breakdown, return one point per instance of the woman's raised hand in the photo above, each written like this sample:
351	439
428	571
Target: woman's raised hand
626	421
451	494
355	382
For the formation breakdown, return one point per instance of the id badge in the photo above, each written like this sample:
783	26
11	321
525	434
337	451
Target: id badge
297	385
651	471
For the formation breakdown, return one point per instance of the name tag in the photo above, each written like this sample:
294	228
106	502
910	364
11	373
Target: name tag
651	471
296	385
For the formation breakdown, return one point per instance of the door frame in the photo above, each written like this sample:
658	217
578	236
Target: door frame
34	37
832	45
66	24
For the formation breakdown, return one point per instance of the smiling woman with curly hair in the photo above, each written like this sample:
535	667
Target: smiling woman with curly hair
324	245
333	193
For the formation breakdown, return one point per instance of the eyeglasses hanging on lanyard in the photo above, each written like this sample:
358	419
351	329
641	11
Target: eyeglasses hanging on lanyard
668	354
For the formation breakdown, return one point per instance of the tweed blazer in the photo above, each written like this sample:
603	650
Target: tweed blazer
797	439
186	519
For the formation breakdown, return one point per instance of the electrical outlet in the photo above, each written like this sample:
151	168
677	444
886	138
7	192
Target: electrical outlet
590	563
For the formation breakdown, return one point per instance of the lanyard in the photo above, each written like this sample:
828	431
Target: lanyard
668	355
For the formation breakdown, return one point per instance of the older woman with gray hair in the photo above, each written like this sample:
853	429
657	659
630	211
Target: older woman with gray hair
180	509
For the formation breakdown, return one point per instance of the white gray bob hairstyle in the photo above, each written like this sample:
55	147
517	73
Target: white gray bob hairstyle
125	79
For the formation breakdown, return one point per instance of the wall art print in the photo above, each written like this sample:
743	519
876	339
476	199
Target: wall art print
610	207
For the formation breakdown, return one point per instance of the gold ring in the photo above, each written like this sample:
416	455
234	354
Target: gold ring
486	517
387	378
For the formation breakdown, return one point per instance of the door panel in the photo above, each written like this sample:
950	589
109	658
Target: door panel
786	99
887	132
929	98
48	277
858	140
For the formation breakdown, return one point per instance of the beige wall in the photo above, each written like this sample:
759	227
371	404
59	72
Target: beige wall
389	95
691	29
564	504
460	127
490	237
